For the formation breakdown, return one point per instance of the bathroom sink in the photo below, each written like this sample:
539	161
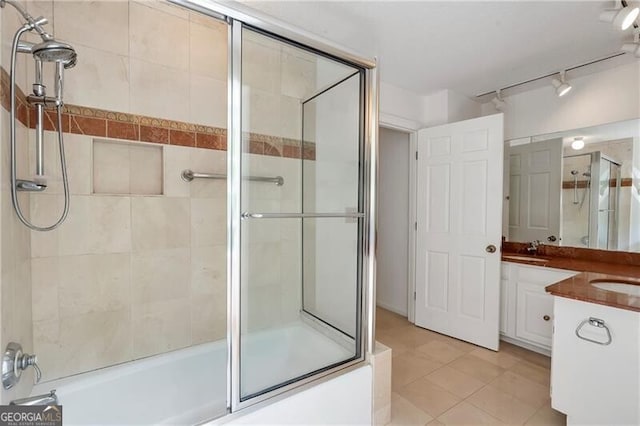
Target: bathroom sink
618	287
525	258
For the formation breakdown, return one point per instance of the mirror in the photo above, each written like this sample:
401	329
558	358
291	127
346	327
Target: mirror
576	188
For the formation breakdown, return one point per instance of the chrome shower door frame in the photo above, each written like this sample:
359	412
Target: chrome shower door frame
237	17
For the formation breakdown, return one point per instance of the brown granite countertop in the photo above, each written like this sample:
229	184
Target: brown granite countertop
579	287
598	265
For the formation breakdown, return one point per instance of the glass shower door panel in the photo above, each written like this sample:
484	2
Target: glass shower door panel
603	204
331	172
282	235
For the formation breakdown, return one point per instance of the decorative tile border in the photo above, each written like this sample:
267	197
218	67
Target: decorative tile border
569	184
119	125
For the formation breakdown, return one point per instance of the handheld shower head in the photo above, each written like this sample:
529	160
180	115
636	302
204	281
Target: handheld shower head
55	51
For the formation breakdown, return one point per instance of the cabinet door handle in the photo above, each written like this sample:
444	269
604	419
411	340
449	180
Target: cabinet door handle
546	317
598	323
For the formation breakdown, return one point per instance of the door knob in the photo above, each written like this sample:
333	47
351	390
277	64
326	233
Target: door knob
552	238
491	248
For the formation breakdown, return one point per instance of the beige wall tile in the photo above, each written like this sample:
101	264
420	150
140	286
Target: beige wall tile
208	270
298	74
100	80
45	210
159	91
161	326
208	318
111	168
208	98
78	152
262	264
160	222
96	225
158	37
208	222
45	279
208	161
100	24
164	6
63	347
262	307
160	275
208	48
175	160
94	283
145	169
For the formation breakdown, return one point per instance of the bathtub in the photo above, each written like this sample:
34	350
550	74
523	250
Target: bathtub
188	386
183	387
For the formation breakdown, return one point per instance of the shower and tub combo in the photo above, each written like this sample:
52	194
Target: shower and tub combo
300	233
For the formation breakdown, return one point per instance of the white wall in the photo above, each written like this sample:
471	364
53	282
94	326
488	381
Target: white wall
393	221
603	97
345	400
413	111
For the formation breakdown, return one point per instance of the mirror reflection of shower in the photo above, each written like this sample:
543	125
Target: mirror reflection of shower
591	220
63	56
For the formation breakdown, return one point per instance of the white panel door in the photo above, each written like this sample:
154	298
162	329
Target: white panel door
535	185
459	203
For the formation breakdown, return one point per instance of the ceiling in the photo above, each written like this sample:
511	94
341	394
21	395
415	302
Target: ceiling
468	47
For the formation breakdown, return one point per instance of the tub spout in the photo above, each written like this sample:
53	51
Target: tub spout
46	399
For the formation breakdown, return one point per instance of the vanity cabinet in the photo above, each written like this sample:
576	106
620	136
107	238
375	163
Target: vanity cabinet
595	382
526	317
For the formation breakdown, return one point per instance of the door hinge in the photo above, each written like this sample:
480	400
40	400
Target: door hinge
416	155
414	295
415	225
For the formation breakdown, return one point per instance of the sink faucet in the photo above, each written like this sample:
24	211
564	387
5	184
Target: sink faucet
533	246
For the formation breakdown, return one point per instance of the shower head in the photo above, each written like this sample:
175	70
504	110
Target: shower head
55	51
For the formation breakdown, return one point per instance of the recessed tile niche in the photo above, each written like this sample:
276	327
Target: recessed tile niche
126	168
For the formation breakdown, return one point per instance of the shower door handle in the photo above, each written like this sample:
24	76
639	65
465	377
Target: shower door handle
247	215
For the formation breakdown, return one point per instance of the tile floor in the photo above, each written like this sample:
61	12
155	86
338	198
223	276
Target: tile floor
440	380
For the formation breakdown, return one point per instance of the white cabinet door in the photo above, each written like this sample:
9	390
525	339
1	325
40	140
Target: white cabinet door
459	215
595	384
534	313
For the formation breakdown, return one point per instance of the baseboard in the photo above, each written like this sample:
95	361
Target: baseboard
526	345
391	308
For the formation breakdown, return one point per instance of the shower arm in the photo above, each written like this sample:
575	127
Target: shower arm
33	23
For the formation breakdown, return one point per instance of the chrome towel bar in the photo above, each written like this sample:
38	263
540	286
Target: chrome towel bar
247	215
598	323
189	175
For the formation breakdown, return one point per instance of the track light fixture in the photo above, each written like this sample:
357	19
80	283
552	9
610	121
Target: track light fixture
633	47
622	17
562	87
498	102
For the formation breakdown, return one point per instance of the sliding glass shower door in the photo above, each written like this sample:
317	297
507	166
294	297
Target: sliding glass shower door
301	213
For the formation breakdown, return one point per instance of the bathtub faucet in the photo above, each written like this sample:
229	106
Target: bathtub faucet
46	399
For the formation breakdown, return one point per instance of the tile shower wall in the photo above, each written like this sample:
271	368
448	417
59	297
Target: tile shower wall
130	274
15	270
